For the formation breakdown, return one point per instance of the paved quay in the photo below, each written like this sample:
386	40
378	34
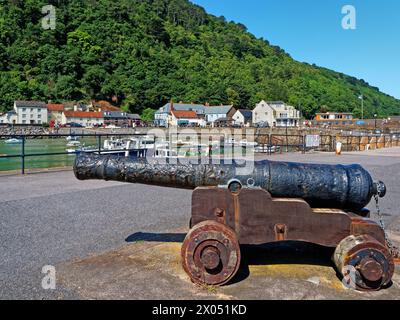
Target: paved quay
116	241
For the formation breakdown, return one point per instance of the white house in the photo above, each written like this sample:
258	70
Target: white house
243	117
30	112
9	117
209	113
83	118
162	116
276	114
182	117
214	113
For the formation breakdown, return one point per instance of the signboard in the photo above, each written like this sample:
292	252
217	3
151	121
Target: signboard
313	140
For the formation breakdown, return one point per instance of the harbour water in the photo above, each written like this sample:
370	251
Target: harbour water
37	146
59	145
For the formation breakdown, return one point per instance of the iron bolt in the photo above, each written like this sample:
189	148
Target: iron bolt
219	212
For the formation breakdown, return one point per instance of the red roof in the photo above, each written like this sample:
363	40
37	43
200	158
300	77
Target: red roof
55	107
83	114
187	114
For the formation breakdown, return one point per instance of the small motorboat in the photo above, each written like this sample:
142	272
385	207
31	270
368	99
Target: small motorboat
72	151
248	144
73	143
267	149
71	138
13	141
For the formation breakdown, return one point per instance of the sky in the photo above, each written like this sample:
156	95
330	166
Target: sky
311	31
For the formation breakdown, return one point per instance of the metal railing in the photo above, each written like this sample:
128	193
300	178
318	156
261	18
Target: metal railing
267	143
24	137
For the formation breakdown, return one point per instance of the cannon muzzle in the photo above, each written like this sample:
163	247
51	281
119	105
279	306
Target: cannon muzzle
321	185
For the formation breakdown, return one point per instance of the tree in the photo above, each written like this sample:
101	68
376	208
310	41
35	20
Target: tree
148	114
141	53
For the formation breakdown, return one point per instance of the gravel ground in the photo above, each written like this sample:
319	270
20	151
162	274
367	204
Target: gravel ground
53	219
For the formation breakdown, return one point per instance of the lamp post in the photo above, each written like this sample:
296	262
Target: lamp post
361	97
287	141
375	115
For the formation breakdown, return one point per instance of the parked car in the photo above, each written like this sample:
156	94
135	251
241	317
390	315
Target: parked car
262	124
73	125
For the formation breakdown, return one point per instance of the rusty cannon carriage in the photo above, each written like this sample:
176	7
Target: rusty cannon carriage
272	201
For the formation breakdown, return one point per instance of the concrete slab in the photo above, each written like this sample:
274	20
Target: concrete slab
107	240
152	270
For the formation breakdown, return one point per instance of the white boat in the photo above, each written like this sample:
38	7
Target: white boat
267	149
142	142
13	141
248	144
167	153
71	138
73	143
72	151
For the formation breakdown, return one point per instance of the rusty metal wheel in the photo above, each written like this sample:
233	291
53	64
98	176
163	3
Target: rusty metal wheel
365	263
211	253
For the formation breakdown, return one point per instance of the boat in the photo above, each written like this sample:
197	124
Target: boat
72	151
119	147
267	149
143	142
248	144
72	138
13	141
167	153
73	143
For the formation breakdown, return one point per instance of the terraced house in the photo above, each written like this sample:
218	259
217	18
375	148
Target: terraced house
31	112
276	114
205	114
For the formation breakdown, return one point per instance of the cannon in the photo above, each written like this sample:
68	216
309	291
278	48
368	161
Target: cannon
233	205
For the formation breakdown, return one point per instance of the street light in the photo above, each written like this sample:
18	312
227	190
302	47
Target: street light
375	115
361	97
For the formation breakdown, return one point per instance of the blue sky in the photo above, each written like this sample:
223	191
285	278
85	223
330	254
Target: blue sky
311	31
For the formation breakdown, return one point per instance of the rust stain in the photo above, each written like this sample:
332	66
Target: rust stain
326	275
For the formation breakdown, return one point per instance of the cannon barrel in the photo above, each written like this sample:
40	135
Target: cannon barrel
321	185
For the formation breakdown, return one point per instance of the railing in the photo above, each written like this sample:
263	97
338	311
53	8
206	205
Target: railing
25	137
267	143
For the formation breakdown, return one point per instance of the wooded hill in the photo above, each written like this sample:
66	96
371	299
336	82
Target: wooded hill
142	53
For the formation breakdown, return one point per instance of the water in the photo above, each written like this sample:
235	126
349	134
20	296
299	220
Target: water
35	146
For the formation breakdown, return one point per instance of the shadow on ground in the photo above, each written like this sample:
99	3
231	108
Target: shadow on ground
276	253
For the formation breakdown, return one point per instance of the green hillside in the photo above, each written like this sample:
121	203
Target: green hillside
140	53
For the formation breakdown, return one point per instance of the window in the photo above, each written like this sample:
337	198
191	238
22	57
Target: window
23	109
31	115
31	109
24	116
39	121
39	115
23	121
